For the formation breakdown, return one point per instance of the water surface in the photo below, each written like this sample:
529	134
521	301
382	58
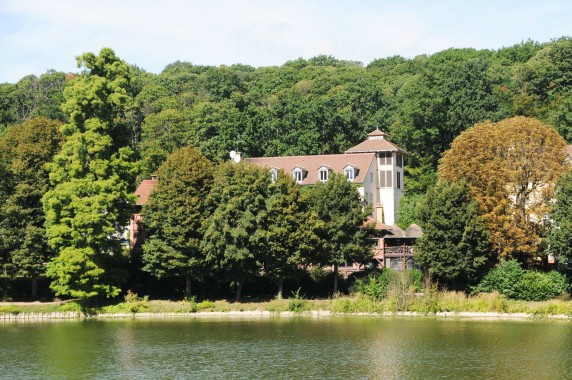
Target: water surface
289	348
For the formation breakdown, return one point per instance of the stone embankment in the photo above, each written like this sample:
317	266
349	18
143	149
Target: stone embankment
72	315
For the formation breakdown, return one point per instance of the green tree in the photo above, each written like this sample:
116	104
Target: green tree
345	236
235	235
292	230
162	134
455	243
560	236
89	206
174	217
26	149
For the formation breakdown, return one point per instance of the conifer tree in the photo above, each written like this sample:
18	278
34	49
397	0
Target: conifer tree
455	243
90	204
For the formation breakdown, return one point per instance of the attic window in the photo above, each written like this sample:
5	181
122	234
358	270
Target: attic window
297	174
324	174
350	173
273	175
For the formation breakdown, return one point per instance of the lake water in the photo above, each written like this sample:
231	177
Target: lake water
287	348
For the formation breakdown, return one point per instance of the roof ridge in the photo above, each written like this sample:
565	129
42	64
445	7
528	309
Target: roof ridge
306	155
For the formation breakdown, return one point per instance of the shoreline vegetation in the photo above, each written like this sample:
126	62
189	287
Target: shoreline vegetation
433	304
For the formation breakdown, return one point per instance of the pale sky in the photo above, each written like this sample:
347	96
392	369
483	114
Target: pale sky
38	35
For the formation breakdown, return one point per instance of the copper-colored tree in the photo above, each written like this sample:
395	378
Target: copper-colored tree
511	168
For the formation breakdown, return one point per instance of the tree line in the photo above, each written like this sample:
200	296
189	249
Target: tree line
119	123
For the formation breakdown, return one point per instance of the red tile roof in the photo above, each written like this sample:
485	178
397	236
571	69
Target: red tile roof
144	190
375	145
335	162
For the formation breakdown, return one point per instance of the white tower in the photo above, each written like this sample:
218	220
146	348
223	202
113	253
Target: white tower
388	186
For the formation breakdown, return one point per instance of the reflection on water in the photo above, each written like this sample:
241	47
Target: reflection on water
330	348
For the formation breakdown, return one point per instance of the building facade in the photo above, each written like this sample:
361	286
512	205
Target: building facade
376	165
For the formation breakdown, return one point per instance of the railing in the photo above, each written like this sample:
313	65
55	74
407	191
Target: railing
403	250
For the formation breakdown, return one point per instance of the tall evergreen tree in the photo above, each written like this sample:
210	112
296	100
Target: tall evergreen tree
344	237
174	216
89	206
455	243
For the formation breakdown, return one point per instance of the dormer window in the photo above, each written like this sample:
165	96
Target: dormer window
298	174
350	172
273	175
323	173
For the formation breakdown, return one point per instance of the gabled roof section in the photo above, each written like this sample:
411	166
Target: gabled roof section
414	231
312	164
144	191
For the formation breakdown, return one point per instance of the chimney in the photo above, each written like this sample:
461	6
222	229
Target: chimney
153	177
379	212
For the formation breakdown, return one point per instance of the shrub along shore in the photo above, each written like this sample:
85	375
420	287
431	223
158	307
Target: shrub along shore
440	304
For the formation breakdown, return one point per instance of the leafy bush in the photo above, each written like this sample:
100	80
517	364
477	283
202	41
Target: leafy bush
296	303
205	305
514	282
503	278
9	309
71	306
378	285
537	286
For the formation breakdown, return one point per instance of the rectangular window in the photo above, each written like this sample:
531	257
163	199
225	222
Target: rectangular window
349	173
399	162
385	158
371	198
398	180
385	178
371	177
366	198
323	175
297	175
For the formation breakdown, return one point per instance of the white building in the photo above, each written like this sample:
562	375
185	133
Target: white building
376	165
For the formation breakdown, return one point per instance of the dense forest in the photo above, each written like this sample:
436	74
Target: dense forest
306	106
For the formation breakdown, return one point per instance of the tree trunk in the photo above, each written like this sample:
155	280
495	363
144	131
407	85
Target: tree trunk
239	290
335	279
188	288
34	287
280	288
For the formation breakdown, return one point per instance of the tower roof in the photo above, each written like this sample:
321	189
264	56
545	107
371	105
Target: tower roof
376	142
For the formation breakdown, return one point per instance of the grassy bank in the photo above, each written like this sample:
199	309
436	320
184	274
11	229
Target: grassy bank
427	304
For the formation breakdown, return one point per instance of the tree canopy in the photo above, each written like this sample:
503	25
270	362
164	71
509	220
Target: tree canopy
511	169
174	217
92	177
345	236
455	245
